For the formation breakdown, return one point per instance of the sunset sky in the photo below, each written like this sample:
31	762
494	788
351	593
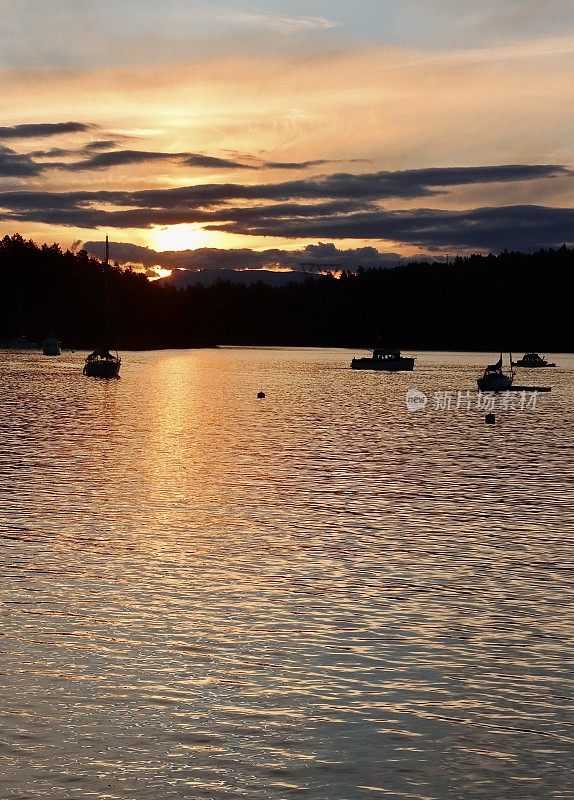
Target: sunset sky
268	133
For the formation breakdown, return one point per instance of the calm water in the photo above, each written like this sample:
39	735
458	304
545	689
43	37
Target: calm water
319	594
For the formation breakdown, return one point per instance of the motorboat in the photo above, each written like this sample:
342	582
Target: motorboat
532	360
386	359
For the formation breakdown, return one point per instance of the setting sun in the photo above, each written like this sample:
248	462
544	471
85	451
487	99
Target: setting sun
180	237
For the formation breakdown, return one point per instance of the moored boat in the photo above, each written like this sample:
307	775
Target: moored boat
19	342
101	363
494	379
386	359
533	361
51	346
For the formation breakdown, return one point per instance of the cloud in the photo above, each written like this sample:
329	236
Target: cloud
42	129
116	158
346	187
64	34
14	165
197	160
339	206
54	152
65	152
523	228
466	21
102	144
321	255
125	157
275	22
367	186
316	163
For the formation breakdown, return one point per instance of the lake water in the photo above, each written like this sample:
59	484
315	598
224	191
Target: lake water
319	594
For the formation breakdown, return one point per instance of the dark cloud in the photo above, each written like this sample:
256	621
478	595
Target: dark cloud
297	164
515	227
339	206
14	165
117	158
197	160
405	184
317	163
321	255
83	209
103	144
409	184
40	129
53	152
62	152
365	187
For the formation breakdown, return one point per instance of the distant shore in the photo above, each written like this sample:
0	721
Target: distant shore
480	303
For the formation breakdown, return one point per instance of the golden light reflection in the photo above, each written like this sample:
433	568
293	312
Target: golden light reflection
160	273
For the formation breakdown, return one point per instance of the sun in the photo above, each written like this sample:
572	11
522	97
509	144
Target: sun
179	237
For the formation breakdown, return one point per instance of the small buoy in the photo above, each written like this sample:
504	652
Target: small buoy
261	395
490	419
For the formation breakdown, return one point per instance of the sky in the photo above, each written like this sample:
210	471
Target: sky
265	134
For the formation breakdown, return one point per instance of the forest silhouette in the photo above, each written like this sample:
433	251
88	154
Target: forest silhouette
480	302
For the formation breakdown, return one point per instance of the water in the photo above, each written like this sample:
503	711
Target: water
318	594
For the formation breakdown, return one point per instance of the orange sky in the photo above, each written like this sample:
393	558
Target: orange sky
335	102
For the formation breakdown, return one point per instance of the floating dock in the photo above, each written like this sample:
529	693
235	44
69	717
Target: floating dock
529	389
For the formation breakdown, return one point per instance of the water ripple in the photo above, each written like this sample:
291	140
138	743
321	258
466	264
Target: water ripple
319	594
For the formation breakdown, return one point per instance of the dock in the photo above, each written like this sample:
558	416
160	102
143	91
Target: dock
529	389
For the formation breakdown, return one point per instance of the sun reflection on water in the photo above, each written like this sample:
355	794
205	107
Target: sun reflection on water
210	595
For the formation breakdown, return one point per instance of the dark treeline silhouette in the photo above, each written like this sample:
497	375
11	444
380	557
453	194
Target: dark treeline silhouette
516	300
66	293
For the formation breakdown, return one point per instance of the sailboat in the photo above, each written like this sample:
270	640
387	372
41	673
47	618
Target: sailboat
494	379
101	363
51	346
20	341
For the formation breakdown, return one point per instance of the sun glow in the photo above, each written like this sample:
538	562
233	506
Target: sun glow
161	272
180	237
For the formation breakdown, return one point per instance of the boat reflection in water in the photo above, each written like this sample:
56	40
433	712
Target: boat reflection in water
387	359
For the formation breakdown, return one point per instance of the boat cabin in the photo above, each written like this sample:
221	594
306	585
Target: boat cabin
384	354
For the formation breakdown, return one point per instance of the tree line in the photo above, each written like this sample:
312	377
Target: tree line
480	302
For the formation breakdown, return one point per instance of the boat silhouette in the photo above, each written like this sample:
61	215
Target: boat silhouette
51	346
101	363
533	361
495	379
387	359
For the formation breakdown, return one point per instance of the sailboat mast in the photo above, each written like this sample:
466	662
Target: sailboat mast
107	310
20	315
